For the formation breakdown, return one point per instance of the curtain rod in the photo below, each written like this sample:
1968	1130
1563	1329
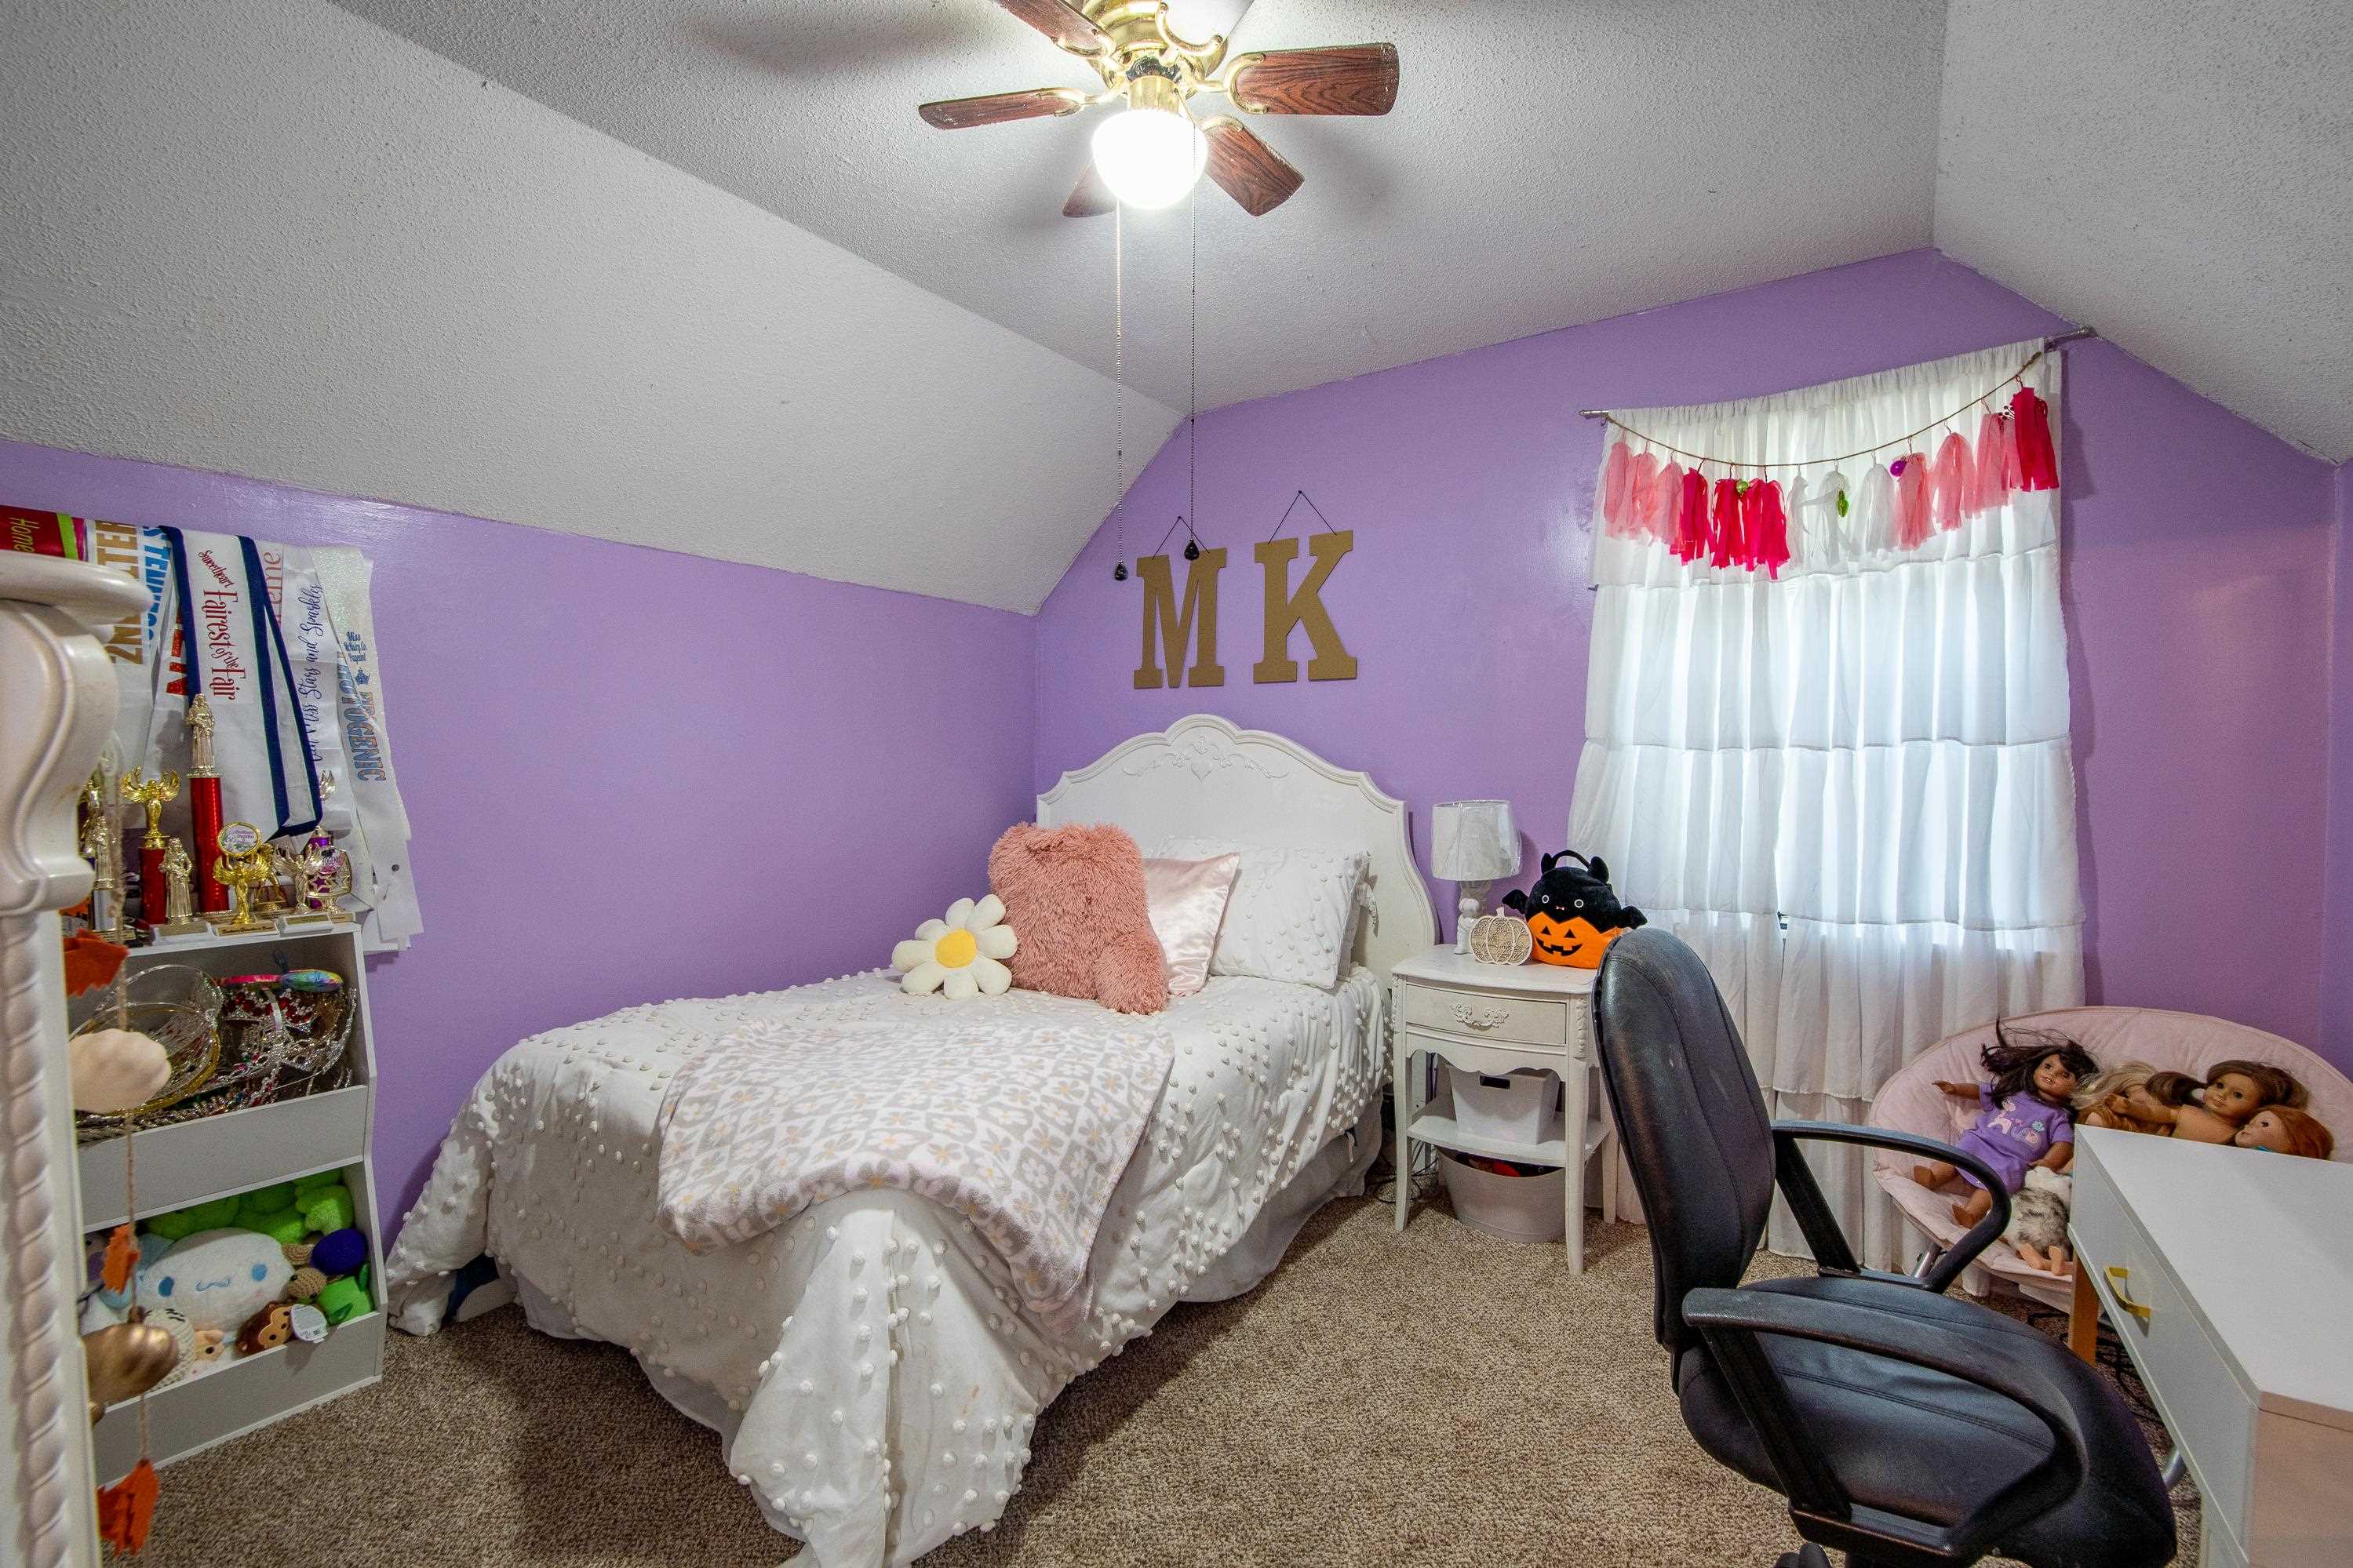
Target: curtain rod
2048	344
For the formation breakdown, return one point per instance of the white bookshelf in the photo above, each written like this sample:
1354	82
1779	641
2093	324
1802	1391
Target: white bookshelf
193	1162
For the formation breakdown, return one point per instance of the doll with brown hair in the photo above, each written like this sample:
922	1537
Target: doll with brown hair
2103	1100
2026	1116
2284	1130
2214	1111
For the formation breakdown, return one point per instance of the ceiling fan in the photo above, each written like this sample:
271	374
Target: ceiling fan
1150	153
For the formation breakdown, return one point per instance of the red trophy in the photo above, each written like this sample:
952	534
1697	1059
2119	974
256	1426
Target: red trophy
204	804
154	795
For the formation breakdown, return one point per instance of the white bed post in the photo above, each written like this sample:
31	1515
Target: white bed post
57	707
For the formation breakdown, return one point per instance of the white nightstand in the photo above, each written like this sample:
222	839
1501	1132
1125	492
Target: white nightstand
1491	1018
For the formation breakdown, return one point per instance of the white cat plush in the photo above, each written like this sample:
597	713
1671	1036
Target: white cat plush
2037	1220
217	1279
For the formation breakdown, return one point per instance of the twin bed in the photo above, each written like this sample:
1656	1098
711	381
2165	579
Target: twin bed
871	1364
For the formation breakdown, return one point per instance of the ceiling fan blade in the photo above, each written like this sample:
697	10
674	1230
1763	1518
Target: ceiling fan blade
999	108
1089	197
1245	168
1063	24
1348	78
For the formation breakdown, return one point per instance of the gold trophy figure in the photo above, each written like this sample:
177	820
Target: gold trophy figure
101	846
153	793
179	903
244	864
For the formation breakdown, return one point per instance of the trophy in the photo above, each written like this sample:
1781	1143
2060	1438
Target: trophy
243	866
319	872
205	803
179	912
101	846
153	793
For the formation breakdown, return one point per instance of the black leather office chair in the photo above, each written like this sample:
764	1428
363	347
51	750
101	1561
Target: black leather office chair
1904	1426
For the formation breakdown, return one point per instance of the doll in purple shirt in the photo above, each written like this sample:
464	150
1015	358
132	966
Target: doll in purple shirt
2024	1118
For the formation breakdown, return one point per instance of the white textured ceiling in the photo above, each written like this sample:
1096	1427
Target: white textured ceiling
2179	172
268	237
1549	161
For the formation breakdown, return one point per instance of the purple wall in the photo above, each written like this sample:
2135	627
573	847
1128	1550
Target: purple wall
2196	580
2337	921
630	774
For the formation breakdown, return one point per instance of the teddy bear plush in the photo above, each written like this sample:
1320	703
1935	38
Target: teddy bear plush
1076	895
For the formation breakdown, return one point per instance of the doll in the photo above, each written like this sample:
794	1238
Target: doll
2025	1117
2212	1112
2103	1100
2038	1221
2284	1130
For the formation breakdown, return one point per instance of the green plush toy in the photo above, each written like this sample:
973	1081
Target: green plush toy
327	1207
181	1224
345	1298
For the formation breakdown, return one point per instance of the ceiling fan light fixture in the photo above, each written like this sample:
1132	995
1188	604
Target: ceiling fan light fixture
1149	157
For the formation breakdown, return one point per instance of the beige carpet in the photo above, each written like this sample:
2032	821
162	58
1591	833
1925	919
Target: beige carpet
1438	1398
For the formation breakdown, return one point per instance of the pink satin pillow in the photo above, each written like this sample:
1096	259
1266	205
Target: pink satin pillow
1188	901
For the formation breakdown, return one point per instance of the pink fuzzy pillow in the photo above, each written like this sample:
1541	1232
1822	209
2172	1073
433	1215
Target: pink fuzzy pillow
1076	895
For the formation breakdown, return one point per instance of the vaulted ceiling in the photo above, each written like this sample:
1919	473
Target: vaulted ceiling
692	274
2177	173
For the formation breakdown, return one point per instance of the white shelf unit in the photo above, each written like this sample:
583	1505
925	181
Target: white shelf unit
195	1162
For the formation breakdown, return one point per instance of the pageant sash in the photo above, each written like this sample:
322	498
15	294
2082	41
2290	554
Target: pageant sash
390	889
236	656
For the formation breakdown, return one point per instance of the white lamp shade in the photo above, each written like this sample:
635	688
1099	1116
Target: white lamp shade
1149	157
1474	841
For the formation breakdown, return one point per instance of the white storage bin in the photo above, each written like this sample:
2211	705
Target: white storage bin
1517	1107
1513	1208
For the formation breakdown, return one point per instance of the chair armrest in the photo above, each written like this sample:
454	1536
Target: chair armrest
1821	1229
1731	1321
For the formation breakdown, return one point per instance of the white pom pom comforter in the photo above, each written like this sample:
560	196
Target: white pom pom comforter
873	1363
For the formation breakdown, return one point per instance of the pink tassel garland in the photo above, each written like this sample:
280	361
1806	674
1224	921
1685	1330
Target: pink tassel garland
1770	539
2038	462
1911	473
1728	547
1949	478
1691	517
1666	497
1988	489
1617	473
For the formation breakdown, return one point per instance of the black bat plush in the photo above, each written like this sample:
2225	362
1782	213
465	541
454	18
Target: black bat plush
1572	912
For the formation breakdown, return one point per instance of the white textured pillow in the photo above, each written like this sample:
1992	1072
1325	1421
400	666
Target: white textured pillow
1292	910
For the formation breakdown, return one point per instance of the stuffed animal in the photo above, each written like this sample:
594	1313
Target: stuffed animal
2037	1220
1076	894
1573	913
267	1329
218	1278
959	957
201	1350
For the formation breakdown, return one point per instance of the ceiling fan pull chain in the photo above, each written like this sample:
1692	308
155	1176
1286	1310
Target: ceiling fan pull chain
1119	387
1193	404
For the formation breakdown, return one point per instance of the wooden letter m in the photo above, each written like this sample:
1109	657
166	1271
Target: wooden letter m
1173	628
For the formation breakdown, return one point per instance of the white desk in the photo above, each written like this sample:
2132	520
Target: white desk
2229	1275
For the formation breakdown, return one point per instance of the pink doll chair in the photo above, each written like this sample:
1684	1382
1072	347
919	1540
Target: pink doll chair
2186	1042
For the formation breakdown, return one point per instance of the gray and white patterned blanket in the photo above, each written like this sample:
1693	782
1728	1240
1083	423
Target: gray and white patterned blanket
1016	1116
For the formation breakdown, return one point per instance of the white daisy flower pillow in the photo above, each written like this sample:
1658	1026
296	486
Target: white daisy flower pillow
963	955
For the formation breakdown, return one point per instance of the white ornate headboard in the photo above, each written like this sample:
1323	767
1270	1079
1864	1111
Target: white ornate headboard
1203	777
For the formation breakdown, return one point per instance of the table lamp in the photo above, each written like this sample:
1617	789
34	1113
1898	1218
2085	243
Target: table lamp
1475	844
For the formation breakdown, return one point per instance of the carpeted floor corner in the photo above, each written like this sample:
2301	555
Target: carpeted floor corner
1435	1400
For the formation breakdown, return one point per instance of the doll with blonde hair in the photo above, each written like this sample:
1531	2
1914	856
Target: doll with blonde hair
2103	1100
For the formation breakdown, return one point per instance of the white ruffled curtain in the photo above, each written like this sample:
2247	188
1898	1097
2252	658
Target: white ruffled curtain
1850	788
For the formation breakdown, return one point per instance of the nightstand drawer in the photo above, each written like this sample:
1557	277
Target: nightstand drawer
1476	1015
